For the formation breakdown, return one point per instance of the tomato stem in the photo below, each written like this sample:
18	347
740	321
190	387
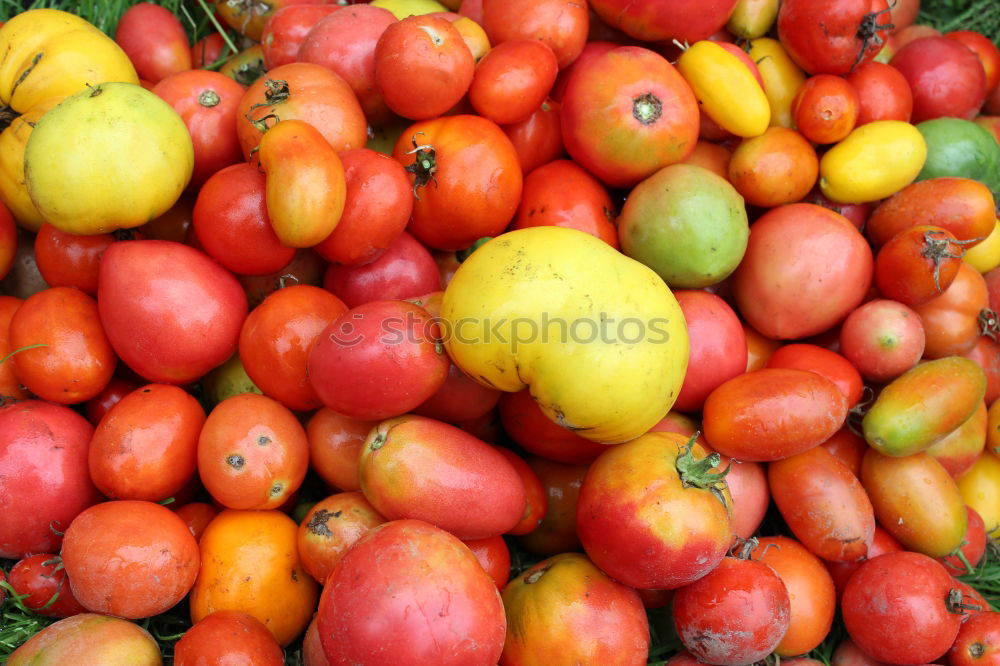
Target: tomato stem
955	604
697	472
868	33
989	324
647	108
424	164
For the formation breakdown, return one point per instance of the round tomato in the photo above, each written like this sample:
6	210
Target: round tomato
560	24
537	140
405	269
954	320
822	361
883	93
978	640
945	76
649	20
493	556
332	526
826	108
287	29
70	260
917	264
228	635
833	37
154	39
335	443
718	347
883	339
512	80
777	167
42	578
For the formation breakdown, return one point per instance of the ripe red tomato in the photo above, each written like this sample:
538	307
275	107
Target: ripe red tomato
951	321
459	399
286	30
155	41
493	556
883	93
883	339
117	388
512	80
985	50
833	37
649	20
404	270
978	640
70	260
841	572
228	636
822	361
917	264
537	140
848	448
207	50
986	353
525	422
560	24
43	579
826	108
332	526
898	608
557	531
718	347
335	443
945	76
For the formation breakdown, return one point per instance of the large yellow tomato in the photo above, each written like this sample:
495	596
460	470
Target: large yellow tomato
597	336
114	156
48	55
873	162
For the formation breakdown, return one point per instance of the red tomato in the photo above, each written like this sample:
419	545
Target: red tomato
423	67
332	526
154	40
557	531
563	194
207	103
805	269
591	49
335	443
228	636
626	114
848	448
461	619
129	558
559	24
959	450
849	654
653	513
344	42
897	608
525	422
276	338
917	264
404	270
466	178
945	76
987	354
306	267
978	641
512	80
117	388
286	30
883	339
972	550
43	579
70	260
171	313
145	447
830	364
841	572
537	140
648	20
833	37
459	399
952	322
493	556
742	603
207	50
232	225
883	93
826	108
535	505
197	516
857	214
985	50
718	347
376	209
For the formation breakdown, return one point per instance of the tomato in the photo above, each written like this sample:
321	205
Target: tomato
978	640
302	91
43	579
207	50
883	339
129	558
966	558
416	467
286	30
377	206
245	67
70	260
65	355
916	501
917	264
335	443
564	607
250	563
986	353
804	270
249	18
461	622
557	531
782	78
537	140
897	608
207	103
228	635
833	37
824	504
985	50
330	527
830	364
154	40
312	648
628	486
752	18
647	118
197	516
953	321
742	604
682	20
980	489
883	93
759	348
466	178
560	24
404	270
946	78
89	638
711	156
512	80
778	167
231	222
826	108
535	502
772	414
958	450
721	84
872	162
170	312
848	448
528	425
841	572
718	347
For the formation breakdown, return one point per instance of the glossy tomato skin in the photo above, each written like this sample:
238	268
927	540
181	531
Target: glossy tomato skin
560	24
535	506
624	132
828	38
959	450
286	30
90	637
986	353
682	20
804	270
718	347
987	52
826	108
335	443
946	77
917	264
772	414
512	80
741	602
170	312
883	339
459	399
557	531
822	361
228	635
70	260
952	321
883	93
777	167
41	577
493	556
973	546
538	139
978	640
416	467
841	572
404	270
471	185
566	608
332	526
462	622
154	40
43	460
895	608
848	448
824	504
145	447
630	481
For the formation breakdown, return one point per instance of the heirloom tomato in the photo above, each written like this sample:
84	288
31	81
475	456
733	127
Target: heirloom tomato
524	421
335	443
287	29
824	362
89	638
954	320
537	140
42	578
980	489
874	161
512	80
228	636
960	449
560	24
883	93
725	88
332	526
153	37
833	37
403	270
782	78
945	76
883	339
649	20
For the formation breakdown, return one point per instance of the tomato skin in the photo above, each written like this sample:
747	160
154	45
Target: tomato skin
40	577
129	558
89	638
945	76
154	40
170	312
985	50
741	602
197	516
905	593
615	513
335	443
332	526
883	93
917	264
682	20
973	546
286	30
70	260
525	422
557	531
980	489
476	494
560	24
459	399
145	447
207	50
822	361
824	504
537	140
512	80
535	506
566	608
826	108
718	347
430	569
841	572
883	339
986	353
978	640
493	556
827	38
804	270
958	450
772	414
916	501
404	270
777	167
228	635
952	320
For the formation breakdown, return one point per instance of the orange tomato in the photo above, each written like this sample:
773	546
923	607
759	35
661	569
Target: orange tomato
332	526
228	636
826	108
775	168
10	385
335	443
952	320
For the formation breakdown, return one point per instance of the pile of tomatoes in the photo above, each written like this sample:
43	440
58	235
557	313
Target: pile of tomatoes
312	328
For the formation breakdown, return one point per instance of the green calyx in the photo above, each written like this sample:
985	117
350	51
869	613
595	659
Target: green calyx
698	472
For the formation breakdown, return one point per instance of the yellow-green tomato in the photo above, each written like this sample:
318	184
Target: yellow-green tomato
113	156
725	88
873	162
597	337
782	78
752	18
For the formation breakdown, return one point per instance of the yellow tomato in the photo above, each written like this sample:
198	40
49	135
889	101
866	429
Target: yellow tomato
111	157
980	488
474	37
752	18
725	88
782	78
403	8
993	427
873	162
598	337
985	256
